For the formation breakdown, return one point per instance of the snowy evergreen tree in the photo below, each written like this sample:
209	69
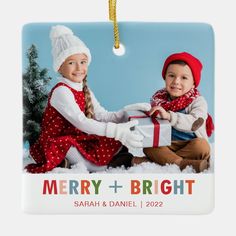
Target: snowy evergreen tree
35	94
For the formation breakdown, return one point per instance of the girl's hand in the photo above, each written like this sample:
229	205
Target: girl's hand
138	106
161	113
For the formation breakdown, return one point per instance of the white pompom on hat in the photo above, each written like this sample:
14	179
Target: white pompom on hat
65	44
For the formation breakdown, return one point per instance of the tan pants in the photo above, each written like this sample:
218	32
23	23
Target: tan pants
195	149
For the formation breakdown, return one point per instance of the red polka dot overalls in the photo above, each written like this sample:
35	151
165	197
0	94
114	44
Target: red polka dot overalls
58	135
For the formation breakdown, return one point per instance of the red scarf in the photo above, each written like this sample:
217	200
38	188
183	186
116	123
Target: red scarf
161	98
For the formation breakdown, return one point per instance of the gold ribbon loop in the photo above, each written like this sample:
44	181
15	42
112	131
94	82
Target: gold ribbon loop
112	17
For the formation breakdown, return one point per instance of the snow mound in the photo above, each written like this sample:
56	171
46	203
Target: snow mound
80	168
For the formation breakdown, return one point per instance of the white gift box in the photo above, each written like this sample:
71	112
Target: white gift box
156	132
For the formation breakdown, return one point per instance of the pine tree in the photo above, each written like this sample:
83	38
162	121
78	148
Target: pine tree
35	94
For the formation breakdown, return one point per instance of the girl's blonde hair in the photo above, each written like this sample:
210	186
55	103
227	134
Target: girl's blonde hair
89	109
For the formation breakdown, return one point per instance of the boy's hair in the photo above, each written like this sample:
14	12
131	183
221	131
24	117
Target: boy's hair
178	62
89	109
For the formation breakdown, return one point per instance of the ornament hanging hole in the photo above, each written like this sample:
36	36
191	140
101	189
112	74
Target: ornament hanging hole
119	51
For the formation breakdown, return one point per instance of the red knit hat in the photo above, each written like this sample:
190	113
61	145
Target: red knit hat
194	64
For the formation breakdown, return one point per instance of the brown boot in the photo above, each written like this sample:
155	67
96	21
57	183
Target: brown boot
65	164
121	159
139	160
198	165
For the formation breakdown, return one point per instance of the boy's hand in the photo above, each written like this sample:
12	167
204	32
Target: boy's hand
159	112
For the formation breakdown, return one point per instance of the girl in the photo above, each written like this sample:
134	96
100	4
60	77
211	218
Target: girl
75	127
181	103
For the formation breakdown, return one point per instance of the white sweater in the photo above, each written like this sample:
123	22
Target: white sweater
63	101
184	122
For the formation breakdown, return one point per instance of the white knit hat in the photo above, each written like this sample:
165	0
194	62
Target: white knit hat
65	44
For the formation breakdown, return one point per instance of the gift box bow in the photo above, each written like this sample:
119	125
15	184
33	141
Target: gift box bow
156	124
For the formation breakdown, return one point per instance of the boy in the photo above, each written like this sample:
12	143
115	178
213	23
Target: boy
181	104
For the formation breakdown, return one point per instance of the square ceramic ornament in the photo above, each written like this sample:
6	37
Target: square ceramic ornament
118	130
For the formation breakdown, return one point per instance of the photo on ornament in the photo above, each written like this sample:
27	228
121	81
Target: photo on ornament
90	108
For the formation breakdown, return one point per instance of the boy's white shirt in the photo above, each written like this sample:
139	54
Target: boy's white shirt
183	122
63	101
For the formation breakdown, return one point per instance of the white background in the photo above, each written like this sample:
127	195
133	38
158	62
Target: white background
14	14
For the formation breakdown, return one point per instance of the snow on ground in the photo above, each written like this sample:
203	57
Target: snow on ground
80	168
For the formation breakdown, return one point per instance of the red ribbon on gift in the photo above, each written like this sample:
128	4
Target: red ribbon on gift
156	131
